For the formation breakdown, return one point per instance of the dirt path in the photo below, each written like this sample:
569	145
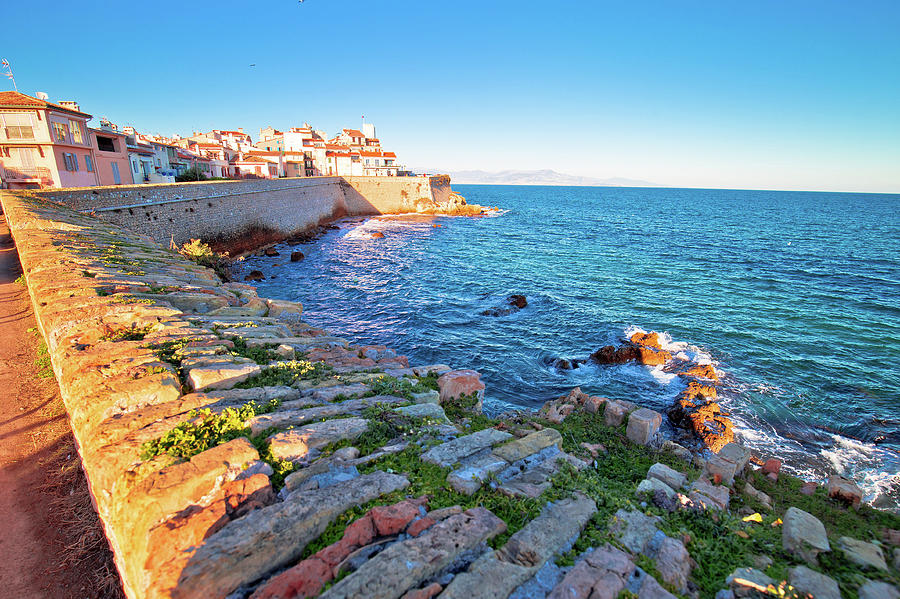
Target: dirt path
51	544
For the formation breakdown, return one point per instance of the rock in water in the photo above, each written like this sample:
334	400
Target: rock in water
297	256
518	301
377	235
255	275
514	303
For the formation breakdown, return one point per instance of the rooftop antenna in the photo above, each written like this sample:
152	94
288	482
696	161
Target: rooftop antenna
9	73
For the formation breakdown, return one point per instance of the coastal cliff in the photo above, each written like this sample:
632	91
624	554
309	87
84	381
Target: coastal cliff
233	450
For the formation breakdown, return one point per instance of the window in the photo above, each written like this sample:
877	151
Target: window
71	161
77	135
134	166
106	144
18	126
23	156
88	164
60	133
117	178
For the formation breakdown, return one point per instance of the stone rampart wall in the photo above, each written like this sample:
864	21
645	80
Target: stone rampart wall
215	210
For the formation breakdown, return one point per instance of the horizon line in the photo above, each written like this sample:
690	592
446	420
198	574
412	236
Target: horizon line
674	187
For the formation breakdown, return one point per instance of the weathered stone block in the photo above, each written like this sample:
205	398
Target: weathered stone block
470	477
454	383
672	478
748	582
529	444
718	468
407	564
221	376
737	454
862	553
810	582
643	425
284	310
433	412
651	485
803	535
296	443
451	452
878	590
843	489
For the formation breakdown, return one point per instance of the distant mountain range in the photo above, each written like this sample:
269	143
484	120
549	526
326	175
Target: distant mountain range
542	177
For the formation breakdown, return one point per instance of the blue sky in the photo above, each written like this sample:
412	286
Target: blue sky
763	95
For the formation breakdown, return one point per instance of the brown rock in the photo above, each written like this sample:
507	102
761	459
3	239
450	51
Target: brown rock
845	490
701	371
519	301
377	235
244	495
420	525
185	529
425	593
609	354
809	488
297	256
392	519
653	357
305	579
255	275
647	339
271	252
772	466
459	382
361	532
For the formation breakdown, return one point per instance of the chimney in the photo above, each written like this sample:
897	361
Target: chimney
70	105
240	129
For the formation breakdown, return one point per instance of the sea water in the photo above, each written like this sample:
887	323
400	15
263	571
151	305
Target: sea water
793	296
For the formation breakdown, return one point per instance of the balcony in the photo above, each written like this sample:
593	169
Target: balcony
23	174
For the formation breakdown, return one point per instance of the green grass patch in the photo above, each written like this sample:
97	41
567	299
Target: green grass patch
127	334
42	362
389	385
261	354
206	430
287	373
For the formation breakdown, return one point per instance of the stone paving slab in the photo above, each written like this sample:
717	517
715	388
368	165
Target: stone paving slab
405	565
268	538
451	452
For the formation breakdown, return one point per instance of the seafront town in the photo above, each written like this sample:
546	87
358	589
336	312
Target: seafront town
46	144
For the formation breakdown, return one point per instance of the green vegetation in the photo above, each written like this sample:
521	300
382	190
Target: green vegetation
388	385
207	430
127	334
287	373
42	362
170	351
195	173
199	252
261	354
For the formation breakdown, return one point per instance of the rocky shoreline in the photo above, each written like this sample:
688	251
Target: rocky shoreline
235	451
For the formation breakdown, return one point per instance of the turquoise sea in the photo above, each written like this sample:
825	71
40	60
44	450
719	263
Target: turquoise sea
794	296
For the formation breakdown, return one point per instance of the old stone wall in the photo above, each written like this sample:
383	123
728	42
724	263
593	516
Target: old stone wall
215	210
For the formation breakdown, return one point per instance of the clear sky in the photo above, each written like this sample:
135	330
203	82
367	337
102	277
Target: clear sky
762	95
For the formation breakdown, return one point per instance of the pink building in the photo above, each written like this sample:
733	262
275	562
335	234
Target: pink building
111	152
43	144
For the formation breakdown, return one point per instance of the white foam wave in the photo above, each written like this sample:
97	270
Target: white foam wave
662	376
679	349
